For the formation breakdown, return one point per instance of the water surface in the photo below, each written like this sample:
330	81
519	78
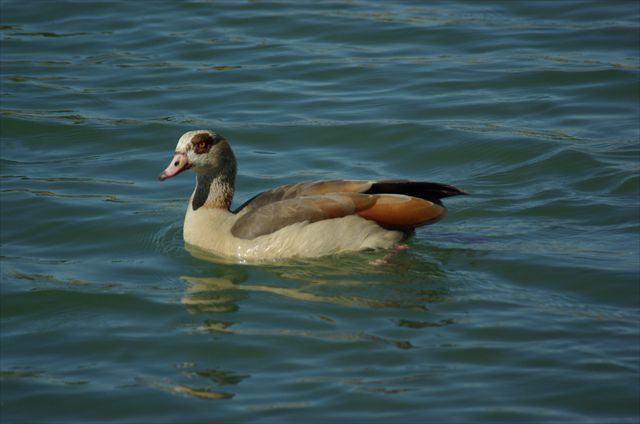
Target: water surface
523	305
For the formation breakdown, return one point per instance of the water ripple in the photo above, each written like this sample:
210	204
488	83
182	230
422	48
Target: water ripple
520	306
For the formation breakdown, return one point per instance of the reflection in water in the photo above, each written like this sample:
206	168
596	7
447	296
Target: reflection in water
201	300
212	326
206	389
207	294
217	377
202	392
221	377
350	281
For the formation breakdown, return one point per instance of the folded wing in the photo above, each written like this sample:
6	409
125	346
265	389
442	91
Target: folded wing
271	217
393	204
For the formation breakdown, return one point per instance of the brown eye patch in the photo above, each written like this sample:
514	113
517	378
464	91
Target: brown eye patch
202	143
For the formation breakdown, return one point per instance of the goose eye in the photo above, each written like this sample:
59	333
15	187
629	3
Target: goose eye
202	143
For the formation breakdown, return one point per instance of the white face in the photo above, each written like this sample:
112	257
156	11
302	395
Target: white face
202	150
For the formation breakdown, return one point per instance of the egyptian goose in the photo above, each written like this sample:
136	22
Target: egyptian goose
307	219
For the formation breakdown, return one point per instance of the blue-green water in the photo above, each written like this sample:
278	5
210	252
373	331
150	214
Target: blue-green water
523	305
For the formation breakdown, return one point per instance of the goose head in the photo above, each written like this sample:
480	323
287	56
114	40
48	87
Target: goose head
206	153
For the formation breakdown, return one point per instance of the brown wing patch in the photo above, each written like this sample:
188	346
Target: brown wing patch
399	212
336	186
313	188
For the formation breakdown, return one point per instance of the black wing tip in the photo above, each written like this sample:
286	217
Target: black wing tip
455	191
423	189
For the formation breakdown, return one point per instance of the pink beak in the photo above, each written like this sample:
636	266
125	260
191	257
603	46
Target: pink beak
178	164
